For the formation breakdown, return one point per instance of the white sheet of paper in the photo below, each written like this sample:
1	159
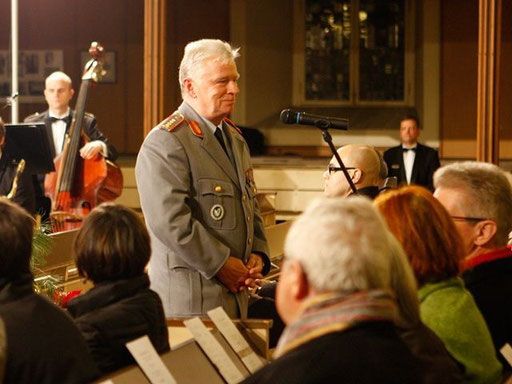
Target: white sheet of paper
214	351
146	356
233	336
506	351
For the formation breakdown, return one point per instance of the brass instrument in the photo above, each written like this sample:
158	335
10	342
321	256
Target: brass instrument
14	188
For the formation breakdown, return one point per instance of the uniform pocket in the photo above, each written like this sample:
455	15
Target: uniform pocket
185	292
217	203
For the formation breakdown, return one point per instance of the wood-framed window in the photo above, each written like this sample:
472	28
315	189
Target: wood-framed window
354	53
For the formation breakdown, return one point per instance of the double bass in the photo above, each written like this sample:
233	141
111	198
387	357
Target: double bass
78	184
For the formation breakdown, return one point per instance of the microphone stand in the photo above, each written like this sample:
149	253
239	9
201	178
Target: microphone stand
328	139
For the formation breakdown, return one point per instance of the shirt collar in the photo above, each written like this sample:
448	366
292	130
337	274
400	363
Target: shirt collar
51	114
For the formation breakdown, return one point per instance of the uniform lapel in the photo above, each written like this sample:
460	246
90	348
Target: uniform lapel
237	147
210	144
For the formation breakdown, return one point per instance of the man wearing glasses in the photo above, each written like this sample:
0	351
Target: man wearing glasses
478	196
364	168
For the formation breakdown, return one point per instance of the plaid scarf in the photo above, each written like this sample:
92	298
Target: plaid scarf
334	312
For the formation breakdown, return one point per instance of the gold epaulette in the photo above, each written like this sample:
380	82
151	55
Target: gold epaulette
172	122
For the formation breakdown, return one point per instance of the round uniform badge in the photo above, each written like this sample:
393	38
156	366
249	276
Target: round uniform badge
217	212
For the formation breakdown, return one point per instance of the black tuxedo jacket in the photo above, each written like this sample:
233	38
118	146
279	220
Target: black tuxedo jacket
90	128
425	164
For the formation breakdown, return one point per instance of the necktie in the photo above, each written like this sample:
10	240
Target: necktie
408	149
66	119
218	135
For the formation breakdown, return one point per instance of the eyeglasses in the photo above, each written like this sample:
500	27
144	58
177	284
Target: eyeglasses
332	169
462	218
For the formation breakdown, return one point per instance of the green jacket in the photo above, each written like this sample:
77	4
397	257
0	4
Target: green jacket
450	311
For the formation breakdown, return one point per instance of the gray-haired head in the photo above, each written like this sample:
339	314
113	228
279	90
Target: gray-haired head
342	245
483	191
199	51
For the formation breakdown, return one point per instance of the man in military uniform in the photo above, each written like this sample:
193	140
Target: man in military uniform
197	193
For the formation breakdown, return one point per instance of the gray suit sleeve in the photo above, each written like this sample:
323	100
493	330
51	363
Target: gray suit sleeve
163	180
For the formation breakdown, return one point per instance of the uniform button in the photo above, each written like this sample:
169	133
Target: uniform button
250	240
248	218
244	198
218	188
254	190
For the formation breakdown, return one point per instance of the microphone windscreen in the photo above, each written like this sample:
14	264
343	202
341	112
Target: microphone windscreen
288	116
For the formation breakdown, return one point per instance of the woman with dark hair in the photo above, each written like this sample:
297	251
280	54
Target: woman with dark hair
112	250
434	249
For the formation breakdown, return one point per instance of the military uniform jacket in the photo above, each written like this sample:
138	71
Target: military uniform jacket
90	128
199	209
425	164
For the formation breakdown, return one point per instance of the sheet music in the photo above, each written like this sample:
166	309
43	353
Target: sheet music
214	351
151	364
233	336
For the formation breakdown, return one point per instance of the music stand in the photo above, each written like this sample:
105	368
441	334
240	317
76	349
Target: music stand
29	141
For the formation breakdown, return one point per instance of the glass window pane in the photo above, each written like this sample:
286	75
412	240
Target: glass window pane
381	50
327	50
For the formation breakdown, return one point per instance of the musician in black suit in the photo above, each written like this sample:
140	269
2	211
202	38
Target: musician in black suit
412	162
58	93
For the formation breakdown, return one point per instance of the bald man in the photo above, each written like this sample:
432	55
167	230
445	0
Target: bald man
364	167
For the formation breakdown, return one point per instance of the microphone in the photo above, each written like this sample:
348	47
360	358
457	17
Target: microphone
291	117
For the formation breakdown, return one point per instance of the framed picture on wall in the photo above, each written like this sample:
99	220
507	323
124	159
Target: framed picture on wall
34	66
109	65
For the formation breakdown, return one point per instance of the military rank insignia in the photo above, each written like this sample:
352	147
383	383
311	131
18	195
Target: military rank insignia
172	121
196	129
217	212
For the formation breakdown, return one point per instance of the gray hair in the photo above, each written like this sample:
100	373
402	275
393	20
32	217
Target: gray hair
485	192
199	51
403	284
342	245
58	75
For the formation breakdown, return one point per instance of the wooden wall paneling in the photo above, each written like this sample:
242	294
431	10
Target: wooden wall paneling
154	45
489	35
459	65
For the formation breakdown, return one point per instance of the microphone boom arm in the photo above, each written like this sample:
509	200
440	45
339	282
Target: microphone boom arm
328	139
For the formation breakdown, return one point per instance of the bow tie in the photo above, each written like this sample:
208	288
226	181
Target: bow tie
66	119
408	149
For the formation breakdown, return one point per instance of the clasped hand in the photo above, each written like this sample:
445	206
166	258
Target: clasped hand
91	149
238	277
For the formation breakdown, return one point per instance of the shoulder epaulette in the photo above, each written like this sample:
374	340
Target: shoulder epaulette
172	122
232	125
88	114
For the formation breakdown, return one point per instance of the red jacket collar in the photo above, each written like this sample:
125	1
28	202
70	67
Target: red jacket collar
501	253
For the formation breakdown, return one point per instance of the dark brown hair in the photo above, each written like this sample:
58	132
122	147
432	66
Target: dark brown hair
16	230
427	233
411	117
112	244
